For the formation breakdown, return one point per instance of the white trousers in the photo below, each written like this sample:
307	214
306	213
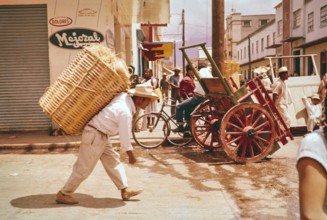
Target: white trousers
312	121
285	115
95	146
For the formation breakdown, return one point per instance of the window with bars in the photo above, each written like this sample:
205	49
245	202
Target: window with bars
280	27
268	40
257	46
252	48
310	22
296	18
274	37
323	16
262	44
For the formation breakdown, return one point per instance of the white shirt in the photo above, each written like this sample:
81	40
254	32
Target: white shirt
116	118
280	88
266	83
313	110
203	73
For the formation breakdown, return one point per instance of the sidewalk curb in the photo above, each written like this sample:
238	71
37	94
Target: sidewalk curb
60	147
40	147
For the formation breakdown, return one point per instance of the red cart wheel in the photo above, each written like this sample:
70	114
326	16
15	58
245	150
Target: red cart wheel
247	132
205	125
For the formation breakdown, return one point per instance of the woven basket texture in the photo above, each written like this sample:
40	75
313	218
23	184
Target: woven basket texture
86	86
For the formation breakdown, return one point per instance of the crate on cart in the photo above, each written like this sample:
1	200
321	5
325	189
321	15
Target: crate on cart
91	80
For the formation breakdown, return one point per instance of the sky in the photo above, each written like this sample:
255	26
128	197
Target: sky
198	16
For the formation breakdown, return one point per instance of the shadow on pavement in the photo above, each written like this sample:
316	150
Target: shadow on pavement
48	201
216	157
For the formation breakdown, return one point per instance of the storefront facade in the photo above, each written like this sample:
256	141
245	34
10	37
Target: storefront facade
41	37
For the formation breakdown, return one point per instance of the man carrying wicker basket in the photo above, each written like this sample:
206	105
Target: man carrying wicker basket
115	118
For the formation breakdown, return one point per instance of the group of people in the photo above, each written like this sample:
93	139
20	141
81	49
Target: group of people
312	168
282	100
117	118
186	91
312	154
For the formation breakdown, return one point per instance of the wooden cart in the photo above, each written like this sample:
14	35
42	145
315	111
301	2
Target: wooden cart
243	121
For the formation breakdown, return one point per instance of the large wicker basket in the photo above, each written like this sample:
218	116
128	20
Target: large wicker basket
88	84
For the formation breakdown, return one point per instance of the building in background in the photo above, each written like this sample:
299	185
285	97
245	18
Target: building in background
298	28
240	26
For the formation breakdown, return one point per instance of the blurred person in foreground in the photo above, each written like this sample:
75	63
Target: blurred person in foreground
312	170
115	118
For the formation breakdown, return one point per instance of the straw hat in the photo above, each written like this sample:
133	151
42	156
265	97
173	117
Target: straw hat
282	69
315	96
164	74
177	69
143	90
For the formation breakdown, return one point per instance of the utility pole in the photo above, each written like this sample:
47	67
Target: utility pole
183	40
174	53
218	32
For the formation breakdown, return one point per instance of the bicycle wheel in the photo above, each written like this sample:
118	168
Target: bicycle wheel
150	130
178	138
205	125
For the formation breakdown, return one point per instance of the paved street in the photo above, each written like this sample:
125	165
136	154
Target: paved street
178	183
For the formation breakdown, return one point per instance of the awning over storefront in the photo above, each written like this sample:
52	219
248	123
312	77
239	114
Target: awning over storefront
291	39
157	50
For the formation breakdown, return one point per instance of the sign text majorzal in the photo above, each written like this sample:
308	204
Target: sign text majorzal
75	38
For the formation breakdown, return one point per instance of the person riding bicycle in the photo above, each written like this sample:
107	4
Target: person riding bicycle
184	109
187	85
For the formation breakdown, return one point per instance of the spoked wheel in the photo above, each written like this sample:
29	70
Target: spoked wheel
247	132
150	130
178	138
205	125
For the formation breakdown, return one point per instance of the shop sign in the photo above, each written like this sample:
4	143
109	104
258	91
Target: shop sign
87	12
75	38
157	50
60	21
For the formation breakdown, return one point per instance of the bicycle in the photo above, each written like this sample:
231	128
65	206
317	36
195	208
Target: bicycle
153	135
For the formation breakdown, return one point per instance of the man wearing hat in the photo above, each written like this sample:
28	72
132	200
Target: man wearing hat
281	96
174	85
115	118
314	111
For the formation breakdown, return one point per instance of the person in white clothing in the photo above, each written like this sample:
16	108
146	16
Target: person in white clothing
314	111
281	96
115	118
266	81
153	106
